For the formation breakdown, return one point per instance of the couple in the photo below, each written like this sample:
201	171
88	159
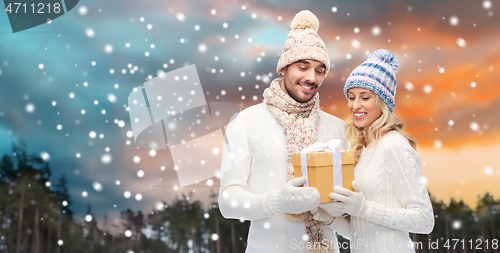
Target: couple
257	183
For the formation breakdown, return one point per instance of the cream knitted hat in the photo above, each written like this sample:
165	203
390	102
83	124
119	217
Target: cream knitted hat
303	42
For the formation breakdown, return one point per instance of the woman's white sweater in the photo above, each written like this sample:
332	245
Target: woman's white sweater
389	174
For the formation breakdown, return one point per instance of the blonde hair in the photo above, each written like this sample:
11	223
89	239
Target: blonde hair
388	121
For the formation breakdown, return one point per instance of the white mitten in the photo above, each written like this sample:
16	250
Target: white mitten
294	199
353	203
320	214
331	209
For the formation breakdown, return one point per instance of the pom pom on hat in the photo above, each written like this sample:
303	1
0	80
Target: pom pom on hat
305	19
387	57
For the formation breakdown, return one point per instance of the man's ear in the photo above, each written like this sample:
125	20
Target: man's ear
282	71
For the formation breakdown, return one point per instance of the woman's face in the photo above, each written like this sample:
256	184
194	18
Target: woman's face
363	105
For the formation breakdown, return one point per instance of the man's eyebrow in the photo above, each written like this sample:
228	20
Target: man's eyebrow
303	61
307	62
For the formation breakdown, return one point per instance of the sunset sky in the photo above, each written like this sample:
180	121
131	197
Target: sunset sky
447	91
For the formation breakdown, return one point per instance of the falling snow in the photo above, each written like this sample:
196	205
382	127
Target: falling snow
90	32
140	173
137	159
487	5
355	43
488	170
108	49
180	16
437	144
456	224
152	153
82	10
97	186
461	42
409	86
106	159
474	126
112	98
453	20
138	197
45	156
427	88
30	108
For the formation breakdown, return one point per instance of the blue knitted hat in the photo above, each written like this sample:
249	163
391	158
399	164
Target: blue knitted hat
377	73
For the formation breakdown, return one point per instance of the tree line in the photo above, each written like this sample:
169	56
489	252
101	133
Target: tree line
36	217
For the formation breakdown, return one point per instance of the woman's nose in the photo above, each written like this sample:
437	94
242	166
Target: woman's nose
357	104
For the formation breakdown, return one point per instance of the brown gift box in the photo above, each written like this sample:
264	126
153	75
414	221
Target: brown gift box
320	171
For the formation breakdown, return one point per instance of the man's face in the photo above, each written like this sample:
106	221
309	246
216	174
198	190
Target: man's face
302	79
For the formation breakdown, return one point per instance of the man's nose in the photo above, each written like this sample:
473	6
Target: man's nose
310	75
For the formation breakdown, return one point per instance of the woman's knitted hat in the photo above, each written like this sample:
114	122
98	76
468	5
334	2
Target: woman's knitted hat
303	42
377	73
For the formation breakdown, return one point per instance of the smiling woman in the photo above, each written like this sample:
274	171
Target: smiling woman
371	90
390	198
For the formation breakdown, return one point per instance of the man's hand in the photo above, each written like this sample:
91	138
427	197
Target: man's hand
294	199
320	214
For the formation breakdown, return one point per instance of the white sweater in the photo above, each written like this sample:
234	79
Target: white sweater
253	165
389	174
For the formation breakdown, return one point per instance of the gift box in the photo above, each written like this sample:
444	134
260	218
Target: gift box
326	170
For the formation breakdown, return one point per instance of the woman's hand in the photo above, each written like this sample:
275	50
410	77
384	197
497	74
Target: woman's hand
353	203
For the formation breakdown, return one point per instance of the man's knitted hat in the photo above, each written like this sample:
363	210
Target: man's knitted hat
303	42
377	73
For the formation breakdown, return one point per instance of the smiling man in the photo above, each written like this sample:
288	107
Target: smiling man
301	79
257	181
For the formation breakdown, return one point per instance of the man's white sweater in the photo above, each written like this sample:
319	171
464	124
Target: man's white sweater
253	165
